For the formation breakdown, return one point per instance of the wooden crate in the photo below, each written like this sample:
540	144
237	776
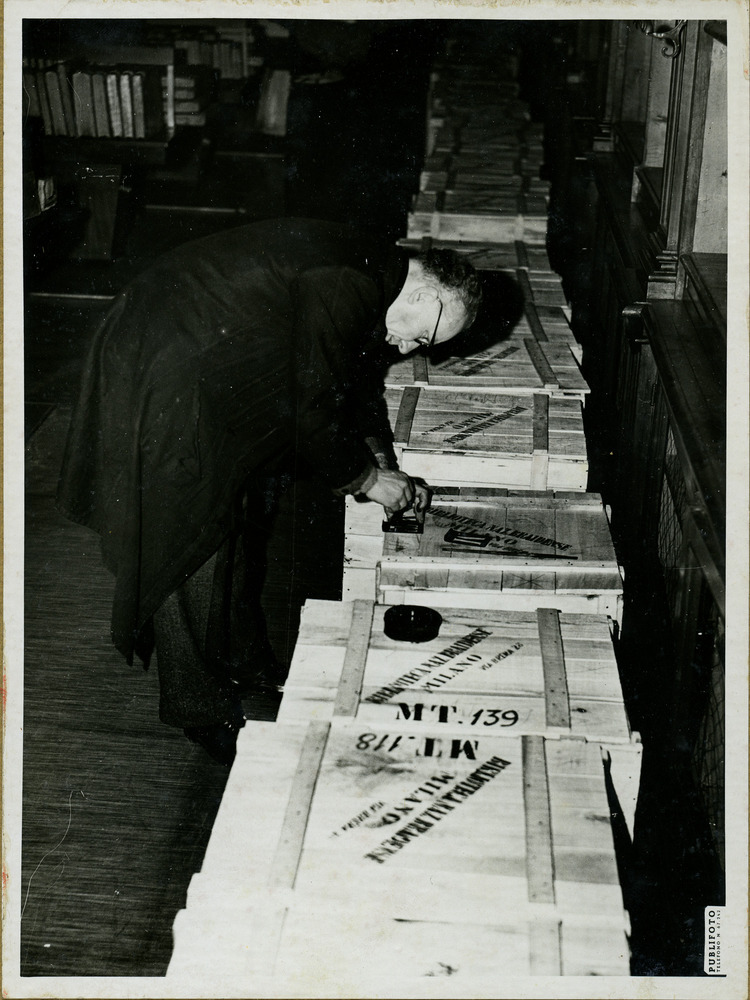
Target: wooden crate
512	673
346	856
434	181
485	201
525	441
478	162
457	138
481	201
485	548
286	950
477	100
515	672
485	170
485	108
456	227
520	362
511	256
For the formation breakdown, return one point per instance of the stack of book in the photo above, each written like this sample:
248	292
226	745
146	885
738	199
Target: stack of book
209	49
193	87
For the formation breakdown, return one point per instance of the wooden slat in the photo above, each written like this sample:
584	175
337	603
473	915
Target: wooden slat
540	443
545	948
541	424
289	850
419	362
353	671
540	872
478	557
542	365
553	663
405	417
530	310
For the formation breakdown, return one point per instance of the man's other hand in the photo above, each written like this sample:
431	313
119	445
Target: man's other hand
393	490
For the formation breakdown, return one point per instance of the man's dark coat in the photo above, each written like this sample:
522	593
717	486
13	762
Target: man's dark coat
236	355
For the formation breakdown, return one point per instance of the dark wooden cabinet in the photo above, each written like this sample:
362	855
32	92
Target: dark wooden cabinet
657	354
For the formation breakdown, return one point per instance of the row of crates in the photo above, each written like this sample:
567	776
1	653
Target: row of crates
481	177
450	426
433	818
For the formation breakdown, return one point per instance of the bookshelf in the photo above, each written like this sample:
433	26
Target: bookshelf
148	107
117	93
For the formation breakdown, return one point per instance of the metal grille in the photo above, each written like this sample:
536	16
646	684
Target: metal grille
708	753
671	514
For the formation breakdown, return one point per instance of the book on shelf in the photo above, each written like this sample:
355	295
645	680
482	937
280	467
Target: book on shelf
126	104
188	107
148	113
191	82
272	102
198	50
101	112
113	103
44	104
31	104
139	106
83	103
66	96
190	118
54	95
169	101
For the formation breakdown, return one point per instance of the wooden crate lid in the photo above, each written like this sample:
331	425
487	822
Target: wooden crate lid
463	139
461	228
503	202
437	181
563	533
481	423
473	207
365	517
550	673
466	958
490	256
486	202
322	949
433	827
518	362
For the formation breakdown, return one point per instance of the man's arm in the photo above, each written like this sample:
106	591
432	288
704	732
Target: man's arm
335	308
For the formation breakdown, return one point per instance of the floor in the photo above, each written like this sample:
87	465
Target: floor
117	807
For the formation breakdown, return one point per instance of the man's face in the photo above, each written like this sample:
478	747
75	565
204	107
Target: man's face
422	324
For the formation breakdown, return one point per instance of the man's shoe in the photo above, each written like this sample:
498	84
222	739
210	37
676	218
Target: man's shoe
218	740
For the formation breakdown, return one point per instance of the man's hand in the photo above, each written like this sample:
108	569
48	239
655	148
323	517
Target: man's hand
422	499
391	489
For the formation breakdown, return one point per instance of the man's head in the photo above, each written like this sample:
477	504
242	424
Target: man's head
440	298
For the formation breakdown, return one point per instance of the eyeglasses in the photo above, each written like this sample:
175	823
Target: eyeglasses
428	343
